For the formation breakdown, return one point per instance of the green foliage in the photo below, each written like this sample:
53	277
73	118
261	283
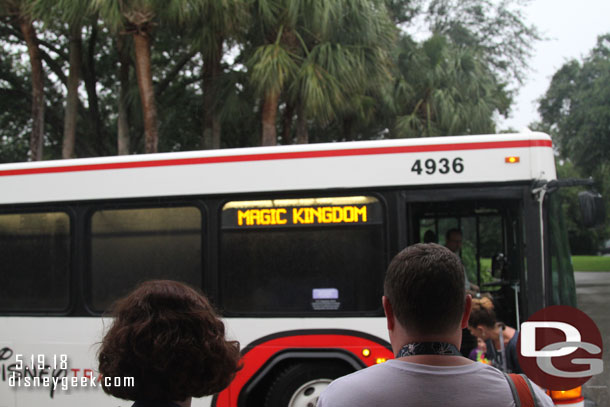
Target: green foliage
470	261
344	70
136	14
576	108
272	65
486	266
443	89
495	29
576	112
582	240
322	56
15	96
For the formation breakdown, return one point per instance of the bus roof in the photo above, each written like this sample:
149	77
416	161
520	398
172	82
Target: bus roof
381	163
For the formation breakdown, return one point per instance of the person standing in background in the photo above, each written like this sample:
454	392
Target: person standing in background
453	242
501	340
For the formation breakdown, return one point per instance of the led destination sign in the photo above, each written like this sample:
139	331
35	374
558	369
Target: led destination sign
304	216
303	212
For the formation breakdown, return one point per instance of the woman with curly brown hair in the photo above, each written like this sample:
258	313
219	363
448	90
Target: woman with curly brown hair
501	340
168	338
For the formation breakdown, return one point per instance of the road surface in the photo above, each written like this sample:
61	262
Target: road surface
593	296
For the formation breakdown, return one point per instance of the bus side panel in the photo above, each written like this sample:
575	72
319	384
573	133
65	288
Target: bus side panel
451	165
43	344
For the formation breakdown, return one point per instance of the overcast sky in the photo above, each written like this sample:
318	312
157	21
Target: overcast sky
572	28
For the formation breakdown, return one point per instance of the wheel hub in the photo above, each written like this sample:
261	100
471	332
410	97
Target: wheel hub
307	395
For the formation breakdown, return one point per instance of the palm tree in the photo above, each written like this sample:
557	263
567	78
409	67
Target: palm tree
222	22
359	53
315	57
20	11
443	89
138	18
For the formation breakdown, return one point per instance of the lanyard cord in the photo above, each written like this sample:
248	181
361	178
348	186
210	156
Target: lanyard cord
428	348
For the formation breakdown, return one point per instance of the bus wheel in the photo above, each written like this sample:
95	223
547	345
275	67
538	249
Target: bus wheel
300	385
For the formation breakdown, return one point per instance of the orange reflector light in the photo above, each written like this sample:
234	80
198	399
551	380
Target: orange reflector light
511	160
380	360
366	352
566	394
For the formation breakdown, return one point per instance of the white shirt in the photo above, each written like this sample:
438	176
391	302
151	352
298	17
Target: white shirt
397	383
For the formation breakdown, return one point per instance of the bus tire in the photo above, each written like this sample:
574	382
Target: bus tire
300	384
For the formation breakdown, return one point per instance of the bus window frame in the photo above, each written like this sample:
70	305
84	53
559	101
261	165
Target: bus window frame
146	203
377	193
72	256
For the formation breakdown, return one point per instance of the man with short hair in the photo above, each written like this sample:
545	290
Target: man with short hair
426	308
453	242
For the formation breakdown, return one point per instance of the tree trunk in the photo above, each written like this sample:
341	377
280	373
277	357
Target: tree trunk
287	124
211	76
37	136
90	79
348	123
302	134
269	136
141	42
216	131
123	121
71	112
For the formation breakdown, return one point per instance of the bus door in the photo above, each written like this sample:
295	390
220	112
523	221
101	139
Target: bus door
491	245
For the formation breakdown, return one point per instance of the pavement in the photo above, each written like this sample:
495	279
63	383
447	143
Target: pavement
593	297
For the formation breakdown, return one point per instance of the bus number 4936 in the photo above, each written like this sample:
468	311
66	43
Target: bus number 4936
442	166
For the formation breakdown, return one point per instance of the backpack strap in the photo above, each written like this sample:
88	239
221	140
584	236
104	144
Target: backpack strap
522	390
531	390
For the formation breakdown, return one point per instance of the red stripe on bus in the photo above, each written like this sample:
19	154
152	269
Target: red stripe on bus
281	156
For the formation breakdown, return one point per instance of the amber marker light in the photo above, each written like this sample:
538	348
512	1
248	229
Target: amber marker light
366	352
511	160
561	395
380	360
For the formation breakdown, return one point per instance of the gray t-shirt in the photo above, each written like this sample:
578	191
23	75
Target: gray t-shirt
396	383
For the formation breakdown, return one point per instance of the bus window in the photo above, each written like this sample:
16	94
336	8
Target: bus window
129	246
35	256
562	272
467	225
491	243
481	224
298	256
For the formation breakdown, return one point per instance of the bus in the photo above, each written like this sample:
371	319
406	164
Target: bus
290	243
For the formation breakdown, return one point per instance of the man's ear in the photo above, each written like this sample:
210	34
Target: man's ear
467	309
389	313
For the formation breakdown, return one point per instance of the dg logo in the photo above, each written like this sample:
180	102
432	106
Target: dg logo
560	348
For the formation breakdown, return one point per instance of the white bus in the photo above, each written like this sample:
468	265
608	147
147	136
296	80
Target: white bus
290	243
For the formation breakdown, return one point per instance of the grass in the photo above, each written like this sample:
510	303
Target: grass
591	263
580	263
485	263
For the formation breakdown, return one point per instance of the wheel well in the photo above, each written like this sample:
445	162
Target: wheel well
254	392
